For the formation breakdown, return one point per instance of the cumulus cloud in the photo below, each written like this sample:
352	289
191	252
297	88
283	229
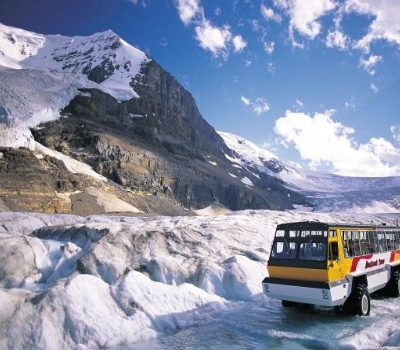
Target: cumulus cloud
386	23
188	9
258	107
306	20
239	43
304	15
217	39
214	38
322	141
269	14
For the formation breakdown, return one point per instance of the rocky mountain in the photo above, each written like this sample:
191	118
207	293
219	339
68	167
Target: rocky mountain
86	121
98	101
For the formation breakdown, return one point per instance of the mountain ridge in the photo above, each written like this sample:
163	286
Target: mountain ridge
137	127
105	103
324	192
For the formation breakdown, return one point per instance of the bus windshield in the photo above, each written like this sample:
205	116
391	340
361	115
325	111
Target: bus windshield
306	250
297	244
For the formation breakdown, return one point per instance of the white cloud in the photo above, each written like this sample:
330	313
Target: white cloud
258	107
370	63
299	103
271	67
214	38
188	9
304	16
245	100
395	129
217	39
386	23
269	47
255	25
322	141
217	11
384	150
374	88
337	39
269	14
238	43
350	104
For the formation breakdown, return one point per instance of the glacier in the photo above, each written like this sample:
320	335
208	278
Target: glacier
324	192
110	281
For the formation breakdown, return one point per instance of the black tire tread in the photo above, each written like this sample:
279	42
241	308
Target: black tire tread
392	288
352	306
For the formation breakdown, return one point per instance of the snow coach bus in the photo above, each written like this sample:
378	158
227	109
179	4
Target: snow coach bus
333	265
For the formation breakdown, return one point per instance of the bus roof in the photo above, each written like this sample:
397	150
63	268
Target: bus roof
317	225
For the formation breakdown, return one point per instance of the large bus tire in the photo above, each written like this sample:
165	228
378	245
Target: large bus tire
393	287
359	302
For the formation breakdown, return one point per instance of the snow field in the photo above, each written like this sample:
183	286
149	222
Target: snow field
106	281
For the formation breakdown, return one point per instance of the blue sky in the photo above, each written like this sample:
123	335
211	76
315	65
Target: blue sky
316	82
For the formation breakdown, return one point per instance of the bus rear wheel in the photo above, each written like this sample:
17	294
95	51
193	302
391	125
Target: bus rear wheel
393	286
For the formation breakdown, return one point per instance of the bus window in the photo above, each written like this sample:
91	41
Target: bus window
284	250
382	243
280	233
373	235
345	241
397	239
354	244
312	251
332	233
390	240
333	251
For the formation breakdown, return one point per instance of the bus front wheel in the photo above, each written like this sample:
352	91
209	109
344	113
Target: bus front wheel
359	302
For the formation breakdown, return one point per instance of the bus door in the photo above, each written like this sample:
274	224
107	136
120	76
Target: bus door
335	271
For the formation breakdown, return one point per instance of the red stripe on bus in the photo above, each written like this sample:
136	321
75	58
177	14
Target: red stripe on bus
357	259
393	254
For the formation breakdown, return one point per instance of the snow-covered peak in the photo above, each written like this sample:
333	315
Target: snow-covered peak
16	45
103	57
248	153
40	74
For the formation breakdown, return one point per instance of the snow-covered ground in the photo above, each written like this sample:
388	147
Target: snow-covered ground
111	281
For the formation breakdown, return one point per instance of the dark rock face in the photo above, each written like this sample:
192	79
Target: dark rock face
158	144
172	113
31	184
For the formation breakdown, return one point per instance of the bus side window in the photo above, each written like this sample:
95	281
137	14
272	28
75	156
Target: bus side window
345	241
333	251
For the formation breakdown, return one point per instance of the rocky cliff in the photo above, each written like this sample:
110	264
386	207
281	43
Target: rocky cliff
159	144
106	104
